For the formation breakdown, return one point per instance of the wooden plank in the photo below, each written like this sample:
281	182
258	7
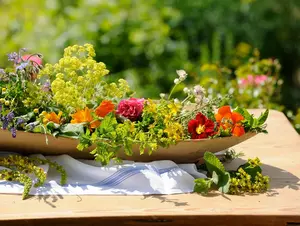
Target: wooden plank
279	151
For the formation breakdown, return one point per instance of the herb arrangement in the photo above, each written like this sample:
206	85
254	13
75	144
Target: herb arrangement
73	99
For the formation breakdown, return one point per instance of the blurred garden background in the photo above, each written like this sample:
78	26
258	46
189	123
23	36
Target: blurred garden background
247	48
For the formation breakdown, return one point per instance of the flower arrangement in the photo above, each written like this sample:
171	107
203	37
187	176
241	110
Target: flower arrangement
73	99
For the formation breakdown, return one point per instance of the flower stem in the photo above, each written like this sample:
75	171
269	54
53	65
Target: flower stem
172	91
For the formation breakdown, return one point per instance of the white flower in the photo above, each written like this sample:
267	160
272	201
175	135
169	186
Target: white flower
176	101
162	95
176	81
182	74
205	100
198	100
186	90
199	91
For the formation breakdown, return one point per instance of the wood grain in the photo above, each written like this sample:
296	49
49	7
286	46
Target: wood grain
279	151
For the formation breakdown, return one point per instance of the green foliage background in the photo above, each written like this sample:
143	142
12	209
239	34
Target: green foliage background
146	41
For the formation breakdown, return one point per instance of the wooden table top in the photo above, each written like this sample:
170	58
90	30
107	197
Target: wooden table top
279	152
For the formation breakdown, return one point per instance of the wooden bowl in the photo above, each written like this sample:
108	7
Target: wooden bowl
187	151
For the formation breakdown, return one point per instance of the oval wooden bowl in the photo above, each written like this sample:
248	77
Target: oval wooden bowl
187	151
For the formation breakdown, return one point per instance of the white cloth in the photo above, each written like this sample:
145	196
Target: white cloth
87	177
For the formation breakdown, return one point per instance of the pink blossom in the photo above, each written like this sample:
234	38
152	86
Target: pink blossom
243	81
33	58
253	80
131	108
260	79
250	79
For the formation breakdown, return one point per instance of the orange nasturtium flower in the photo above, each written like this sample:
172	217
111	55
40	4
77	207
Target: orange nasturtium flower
85	115
230	120
52	117
104	108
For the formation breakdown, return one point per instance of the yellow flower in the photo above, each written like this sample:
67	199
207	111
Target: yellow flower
243	49
174	130
150	106
174	108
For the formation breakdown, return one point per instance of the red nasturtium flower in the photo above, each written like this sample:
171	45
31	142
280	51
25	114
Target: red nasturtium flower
104	108
201	127
230	120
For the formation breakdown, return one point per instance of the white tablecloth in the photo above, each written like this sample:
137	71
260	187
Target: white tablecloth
87	177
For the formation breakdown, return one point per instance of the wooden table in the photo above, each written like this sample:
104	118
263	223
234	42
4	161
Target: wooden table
279	151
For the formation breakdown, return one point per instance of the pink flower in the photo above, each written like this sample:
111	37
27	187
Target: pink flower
243	81
131	108
253	80
250	79
260	79
32	58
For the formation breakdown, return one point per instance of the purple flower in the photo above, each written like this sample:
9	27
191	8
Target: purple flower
31	126
4	122
10	116
2	71
46	87
131	108
22	66
20	121
14	57
13	132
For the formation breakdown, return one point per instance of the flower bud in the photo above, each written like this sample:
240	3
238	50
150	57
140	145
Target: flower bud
162	95
176	81
186	90
176	101
3	90
7	103
36	110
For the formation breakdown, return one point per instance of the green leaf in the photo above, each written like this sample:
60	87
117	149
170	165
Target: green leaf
224	183
52	126
108	124
202	185
80	147
215	178
255	123
263	117
55	133
248	117
75	129
128	147
39	129
213	163
251	170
